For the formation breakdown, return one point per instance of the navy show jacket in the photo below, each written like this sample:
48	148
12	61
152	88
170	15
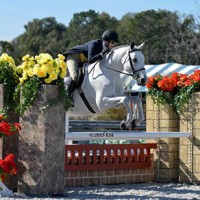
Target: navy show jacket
91	50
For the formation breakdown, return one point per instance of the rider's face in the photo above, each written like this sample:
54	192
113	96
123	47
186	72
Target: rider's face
111	44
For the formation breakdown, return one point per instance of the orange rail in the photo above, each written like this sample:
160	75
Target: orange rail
107	156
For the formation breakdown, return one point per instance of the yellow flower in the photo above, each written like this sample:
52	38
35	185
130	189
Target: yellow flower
19	69
50	70
31	63
64	65
43	66
53	76
57	69
30	72
61	56
49	63
24	75
61	63
41	73
43	58
35	69
48	80
21	80
6	58
26	57
63	73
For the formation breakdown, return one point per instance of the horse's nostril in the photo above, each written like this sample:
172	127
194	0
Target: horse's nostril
142	80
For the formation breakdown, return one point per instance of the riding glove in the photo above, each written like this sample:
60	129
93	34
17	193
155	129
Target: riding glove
105	51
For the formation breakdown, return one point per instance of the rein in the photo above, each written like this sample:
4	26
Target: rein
119	71
128	74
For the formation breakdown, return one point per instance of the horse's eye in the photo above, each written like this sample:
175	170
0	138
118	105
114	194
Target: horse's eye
134	60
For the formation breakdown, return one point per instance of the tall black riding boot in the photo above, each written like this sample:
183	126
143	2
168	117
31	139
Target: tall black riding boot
71	88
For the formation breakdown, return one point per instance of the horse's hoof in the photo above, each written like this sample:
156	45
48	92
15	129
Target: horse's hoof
123	126
133	124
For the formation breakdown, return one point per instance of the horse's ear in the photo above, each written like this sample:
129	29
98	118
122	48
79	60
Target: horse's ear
132	45
141	45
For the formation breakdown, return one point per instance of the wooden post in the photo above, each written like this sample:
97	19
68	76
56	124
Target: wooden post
42	146
9	144
163	118
189	167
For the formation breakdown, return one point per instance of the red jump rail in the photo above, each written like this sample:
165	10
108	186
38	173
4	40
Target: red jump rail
108	156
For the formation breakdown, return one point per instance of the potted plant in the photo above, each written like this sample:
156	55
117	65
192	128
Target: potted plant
42	109
36	71
175	90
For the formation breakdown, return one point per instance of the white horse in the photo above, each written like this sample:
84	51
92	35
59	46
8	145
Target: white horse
104	82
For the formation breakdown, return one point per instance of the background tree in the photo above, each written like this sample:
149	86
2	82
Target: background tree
45	35
151	26
186	46
170	37
6	47
89	25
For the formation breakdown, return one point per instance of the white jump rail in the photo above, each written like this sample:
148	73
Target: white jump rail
123	135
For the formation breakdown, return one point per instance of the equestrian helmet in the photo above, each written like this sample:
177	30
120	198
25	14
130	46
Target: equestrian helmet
109	35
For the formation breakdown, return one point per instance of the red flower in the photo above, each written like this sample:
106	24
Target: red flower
5	128
8	165
8	128
17	126
152	81
188	82
149	84
195	76
166	84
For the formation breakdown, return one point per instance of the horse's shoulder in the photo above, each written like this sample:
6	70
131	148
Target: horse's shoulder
90	66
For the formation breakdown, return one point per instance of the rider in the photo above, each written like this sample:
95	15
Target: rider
90	52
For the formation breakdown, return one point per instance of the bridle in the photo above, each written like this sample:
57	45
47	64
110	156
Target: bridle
131	64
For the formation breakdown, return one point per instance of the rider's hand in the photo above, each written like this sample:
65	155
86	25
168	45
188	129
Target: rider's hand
105	51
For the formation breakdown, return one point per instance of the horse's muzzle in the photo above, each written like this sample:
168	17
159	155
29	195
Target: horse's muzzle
141	81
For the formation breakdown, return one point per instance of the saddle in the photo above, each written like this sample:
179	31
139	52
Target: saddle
78	86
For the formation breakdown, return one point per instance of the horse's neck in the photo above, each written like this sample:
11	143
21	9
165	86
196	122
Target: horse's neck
116	57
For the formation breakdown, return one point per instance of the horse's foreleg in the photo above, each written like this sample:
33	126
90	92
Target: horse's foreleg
110	102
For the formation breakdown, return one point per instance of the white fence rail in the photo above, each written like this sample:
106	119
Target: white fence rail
124	135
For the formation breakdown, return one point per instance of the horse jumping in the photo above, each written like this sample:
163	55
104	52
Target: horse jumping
104	83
